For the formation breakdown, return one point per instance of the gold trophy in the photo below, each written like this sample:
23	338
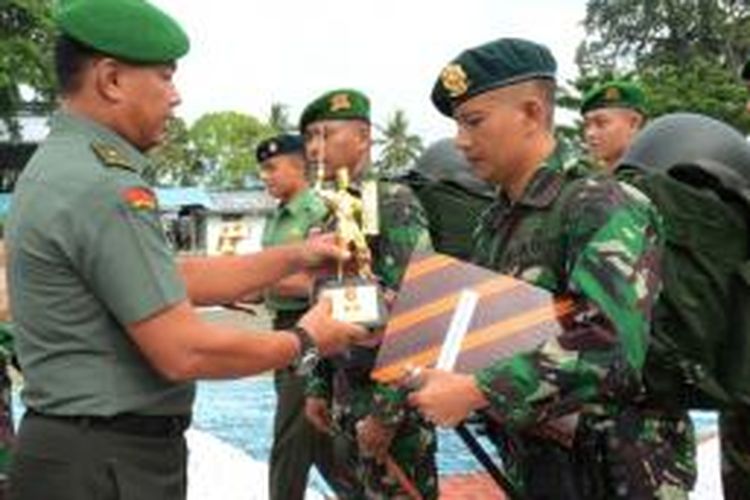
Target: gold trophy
355	294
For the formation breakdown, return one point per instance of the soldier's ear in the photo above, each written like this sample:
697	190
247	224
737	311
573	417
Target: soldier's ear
108	79
363	131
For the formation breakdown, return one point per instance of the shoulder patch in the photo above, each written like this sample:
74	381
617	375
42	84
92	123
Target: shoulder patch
139	198
111	156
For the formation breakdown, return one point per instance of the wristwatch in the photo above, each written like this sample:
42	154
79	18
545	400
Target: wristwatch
309	355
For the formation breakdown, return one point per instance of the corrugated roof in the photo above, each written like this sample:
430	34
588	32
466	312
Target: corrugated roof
172	199
255	201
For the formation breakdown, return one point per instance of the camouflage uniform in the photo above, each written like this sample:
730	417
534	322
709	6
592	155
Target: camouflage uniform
346	379
6	406
598	241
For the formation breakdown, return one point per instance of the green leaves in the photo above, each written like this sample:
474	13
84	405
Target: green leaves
217	151
26	41
399	147
686	53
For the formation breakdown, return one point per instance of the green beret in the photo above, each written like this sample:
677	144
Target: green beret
134	30
503	62
745	72
282	144
614	94
341	104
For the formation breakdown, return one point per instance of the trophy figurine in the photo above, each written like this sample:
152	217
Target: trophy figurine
355	294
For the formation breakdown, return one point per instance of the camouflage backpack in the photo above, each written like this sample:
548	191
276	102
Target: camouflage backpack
452	196
697	172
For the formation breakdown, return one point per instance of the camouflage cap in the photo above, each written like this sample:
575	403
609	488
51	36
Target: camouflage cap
614	94
282	144
341	104
134	30
500	63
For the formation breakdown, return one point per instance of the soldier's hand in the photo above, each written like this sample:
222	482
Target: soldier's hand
320	249
374	438
330	336
445	398
316	411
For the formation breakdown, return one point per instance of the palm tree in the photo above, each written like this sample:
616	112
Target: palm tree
279	118
399	147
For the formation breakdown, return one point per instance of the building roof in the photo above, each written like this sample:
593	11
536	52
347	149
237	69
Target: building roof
173	199
251	202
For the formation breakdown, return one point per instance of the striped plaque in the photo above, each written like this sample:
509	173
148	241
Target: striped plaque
457	316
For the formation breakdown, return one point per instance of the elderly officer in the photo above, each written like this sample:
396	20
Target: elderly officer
296	443
336	127
564	414
106	330
613	113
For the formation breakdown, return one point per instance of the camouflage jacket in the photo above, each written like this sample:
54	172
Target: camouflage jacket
403	228
599	242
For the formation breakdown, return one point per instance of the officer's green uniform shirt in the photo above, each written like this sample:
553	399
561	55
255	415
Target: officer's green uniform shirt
89	257
289	223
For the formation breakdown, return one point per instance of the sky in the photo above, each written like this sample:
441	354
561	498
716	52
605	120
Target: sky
246	55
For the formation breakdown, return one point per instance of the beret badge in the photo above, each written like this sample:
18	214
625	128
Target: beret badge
612	94
340	102
454	80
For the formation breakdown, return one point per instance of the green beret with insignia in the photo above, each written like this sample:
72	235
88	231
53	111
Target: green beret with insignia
282	144
745	72
341	104
614	94
133	30
496	64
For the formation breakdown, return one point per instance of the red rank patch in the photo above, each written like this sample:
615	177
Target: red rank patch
139	198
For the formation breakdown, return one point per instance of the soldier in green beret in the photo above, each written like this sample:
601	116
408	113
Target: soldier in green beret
296	443
105	327
613	113
565	415
371	420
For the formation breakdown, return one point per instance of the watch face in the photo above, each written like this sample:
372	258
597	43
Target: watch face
308	361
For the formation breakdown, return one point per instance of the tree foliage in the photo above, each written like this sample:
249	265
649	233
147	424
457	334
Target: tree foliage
175	162
399	147
26	44
686	53
279	119
225	145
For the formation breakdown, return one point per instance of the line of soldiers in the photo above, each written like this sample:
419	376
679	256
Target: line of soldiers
109	342
620	450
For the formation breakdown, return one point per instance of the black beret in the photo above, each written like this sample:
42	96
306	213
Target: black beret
503	62
282	144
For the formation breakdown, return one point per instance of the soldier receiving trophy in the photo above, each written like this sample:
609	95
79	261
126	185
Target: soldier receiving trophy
354	291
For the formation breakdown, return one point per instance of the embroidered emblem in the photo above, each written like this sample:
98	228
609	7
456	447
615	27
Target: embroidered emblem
454	79
340	102
612	94
139	198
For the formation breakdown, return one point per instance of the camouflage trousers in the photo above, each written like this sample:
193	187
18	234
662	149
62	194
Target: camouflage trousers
628	456
6	426
413	449
734	431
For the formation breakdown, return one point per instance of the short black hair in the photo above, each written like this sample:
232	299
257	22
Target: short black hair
71	56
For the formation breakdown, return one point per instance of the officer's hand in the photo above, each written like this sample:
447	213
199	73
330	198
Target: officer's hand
330	336
316	411
445	398
374	438
320	249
